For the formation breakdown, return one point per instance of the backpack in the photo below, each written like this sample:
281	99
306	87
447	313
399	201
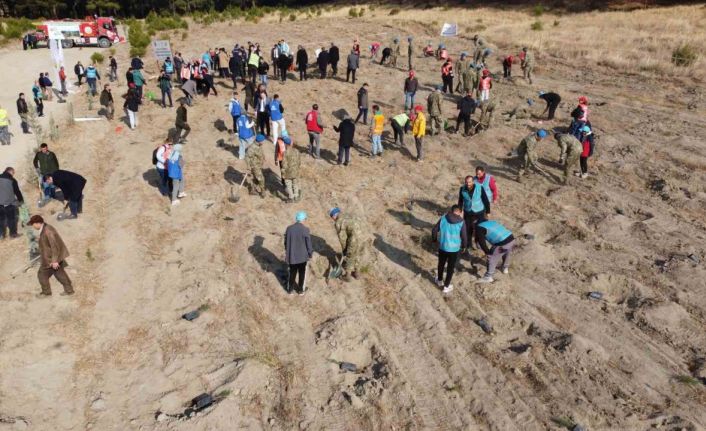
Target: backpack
154	155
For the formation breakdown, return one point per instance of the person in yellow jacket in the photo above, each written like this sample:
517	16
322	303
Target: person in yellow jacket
4	127
376	128
419	129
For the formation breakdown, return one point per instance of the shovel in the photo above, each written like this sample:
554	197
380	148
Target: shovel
337	270
233	198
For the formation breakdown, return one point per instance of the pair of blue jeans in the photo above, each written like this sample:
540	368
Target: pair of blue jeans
377	145
408	100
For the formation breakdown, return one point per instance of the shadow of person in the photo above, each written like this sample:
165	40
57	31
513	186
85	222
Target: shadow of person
220	125
400	257
432	206
324	249
228	146
273	181
407	218
232	176
268	261
151	177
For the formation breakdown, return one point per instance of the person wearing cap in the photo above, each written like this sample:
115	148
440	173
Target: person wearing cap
395	52
291	163
314	128
450	233
71	185
350	235
254	158
363	103
298	251
346	130
553	100
485	84
587	140
527	153
411	84
527	63
410	53
507	66
501	243
419	129
466	107
478	47
571	150
52	257
376	128
353	62
434	110
10	199
447	75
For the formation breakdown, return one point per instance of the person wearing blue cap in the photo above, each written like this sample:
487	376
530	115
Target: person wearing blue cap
571	149
298	251
553	100
351	238
255	157
527	153
291	163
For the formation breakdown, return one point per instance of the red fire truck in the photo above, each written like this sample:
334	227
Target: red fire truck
100	31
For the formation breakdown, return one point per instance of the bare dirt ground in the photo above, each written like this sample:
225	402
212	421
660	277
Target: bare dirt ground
118	353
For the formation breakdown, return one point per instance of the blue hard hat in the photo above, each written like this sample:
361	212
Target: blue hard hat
334	211
301	216
260	138
585	129
541	133
287	140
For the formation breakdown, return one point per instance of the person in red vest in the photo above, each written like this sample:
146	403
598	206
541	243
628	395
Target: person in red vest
484	85
314	127
447	75
507	66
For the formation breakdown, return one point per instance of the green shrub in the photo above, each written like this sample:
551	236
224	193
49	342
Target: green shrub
684	56
537	26
139	40
361	11
318	12
165	22
538	10
184	35
394	11
112	51
556	23
97	58
137	51
14	28
292	17
353	12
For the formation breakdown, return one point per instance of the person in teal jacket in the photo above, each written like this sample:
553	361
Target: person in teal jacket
501	243
451	234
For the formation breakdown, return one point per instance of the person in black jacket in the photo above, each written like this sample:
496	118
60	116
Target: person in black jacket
23	111
466	108
346	130
552	100
302	62
333	57
323	61
131	105
283	62
10	199
71	185
234	66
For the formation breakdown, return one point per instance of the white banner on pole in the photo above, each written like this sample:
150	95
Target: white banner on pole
449	30
162	49
57	54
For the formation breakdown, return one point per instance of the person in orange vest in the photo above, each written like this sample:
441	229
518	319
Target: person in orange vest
484	85
280	148
447	75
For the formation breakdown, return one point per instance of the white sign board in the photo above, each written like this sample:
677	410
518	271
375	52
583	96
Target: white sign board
162	50
449	30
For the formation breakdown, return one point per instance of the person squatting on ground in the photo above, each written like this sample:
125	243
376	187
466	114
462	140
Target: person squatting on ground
175	170
501	243
298	251
314	128
71	185
346	131
10	199
255	157
376	128
350	235
291	163
419	129
451	235
53	254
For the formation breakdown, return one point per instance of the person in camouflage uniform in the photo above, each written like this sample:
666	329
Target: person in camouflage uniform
290	170
434	109
527	64
410	53
395	52
526	152
350	235
520	112
255	157
478	48
461	68
487	109
571	149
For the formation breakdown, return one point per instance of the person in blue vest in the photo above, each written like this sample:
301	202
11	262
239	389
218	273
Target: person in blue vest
175	170
91	76
452	237
235	110
474	198
276	116
168	67
246	134
501	243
